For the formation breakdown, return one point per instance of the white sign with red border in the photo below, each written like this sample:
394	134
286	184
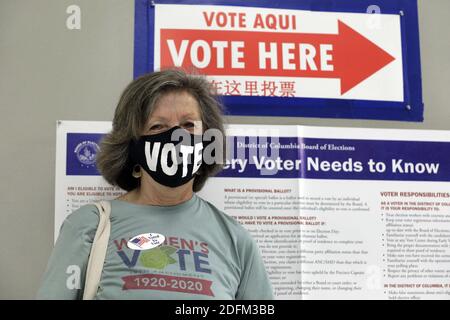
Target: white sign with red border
250	51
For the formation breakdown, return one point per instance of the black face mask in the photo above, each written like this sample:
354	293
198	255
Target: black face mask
170	160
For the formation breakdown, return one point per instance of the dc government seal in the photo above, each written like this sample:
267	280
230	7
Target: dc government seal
86	153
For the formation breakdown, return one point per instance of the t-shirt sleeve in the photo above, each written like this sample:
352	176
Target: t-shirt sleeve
255	283
64	276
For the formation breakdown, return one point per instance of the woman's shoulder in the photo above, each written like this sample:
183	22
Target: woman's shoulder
85	217
230	223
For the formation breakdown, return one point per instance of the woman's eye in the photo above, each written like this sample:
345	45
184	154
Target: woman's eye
156	127
188	125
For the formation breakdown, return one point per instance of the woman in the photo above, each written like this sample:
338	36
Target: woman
206	254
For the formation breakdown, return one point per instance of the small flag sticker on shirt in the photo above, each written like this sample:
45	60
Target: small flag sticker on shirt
146	241
140	241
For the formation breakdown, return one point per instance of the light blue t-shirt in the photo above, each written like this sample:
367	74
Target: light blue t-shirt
206	255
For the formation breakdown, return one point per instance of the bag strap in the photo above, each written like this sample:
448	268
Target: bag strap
98	251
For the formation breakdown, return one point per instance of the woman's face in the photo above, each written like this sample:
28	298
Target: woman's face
177	108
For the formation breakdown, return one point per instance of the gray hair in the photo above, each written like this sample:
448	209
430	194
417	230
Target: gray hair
135	106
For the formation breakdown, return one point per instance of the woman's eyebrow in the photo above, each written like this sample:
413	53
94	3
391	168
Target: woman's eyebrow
190	115
183	116
157	118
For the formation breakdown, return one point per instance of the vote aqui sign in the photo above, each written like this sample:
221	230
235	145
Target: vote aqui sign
339	60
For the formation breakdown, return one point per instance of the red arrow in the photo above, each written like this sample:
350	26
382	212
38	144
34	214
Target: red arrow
357	58
354	57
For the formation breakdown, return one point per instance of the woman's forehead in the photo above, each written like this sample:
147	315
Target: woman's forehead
180	104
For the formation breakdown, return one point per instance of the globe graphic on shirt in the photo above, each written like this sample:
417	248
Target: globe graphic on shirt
158	258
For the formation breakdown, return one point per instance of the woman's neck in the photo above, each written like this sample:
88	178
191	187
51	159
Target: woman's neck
151	193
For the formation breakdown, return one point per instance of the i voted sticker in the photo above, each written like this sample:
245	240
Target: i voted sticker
146	241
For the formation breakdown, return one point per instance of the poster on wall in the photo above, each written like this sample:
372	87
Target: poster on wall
77	181
336	212
341	59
